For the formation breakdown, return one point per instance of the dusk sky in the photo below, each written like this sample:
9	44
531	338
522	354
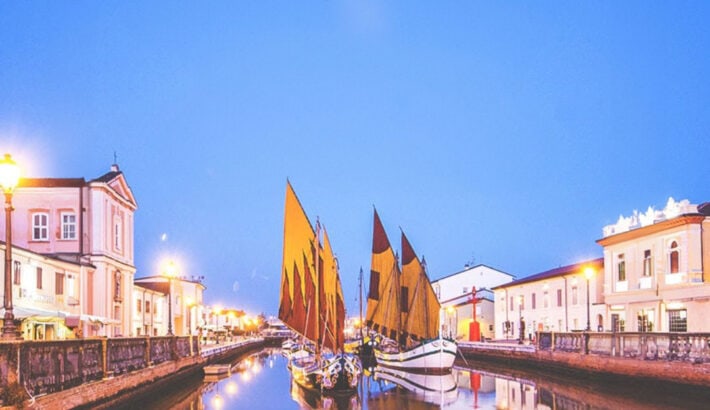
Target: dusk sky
501	133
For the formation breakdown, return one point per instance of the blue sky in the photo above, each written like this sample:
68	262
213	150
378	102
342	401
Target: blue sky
504	134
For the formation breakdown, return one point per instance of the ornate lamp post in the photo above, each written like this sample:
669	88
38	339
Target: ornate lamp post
9	178
589	274
170	272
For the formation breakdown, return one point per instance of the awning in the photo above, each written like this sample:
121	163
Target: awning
21	312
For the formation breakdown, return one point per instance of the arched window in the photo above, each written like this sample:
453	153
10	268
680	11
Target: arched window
674	256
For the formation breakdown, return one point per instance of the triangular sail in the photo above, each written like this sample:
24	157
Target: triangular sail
333	306
383	297
312	302
298	283
421	316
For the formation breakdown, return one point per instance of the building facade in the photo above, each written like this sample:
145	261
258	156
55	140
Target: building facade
455	295
554	300
89	225
186	297
656	269
149	314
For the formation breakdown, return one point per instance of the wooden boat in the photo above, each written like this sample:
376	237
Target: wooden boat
312	305
215	369
403	308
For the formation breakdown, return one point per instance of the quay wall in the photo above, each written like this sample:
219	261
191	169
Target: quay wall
682	359
80	373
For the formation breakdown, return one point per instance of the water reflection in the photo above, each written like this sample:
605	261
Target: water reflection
262	381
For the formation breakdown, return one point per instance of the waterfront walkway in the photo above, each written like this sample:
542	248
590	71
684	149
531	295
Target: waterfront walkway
682	359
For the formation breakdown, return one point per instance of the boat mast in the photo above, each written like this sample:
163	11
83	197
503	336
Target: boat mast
317	286
360	280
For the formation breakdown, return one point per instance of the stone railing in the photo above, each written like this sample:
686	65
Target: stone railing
50	366
692	347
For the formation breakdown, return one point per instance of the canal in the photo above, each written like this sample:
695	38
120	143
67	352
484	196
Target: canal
262	381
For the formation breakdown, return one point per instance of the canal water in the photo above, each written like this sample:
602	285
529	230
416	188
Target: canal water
262	381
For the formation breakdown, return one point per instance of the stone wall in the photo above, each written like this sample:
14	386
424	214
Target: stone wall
44	367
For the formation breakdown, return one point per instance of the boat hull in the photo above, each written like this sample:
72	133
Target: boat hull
433	356
438	389
334	375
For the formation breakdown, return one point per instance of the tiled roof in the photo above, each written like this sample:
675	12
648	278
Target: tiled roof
561	271
107	177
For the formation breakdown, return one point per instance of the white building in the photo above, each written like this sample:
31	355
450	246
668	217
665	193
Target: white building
186	296
455	295
554	300
657	269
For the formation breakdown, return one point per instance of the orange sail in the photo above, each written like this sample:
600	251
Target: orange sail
311	297
297	267
420	312
383	297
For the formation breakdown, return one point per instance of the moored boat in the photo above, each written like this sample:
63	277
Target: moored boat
403	308
312	305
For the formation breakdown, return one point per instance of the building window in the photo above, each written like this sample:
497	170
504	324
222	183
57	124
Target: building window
674	256
68	226
678	320
17	274
511	304
147	306
40	226
39	278
621	268
559	297
465	289
533	302
647	263
58	283
139	305
117	233
575	300
374	293
117	286
545	300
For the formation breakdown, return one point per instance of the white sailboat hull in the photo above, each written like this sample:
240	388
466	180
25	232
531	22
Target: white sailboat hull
439	389
434	356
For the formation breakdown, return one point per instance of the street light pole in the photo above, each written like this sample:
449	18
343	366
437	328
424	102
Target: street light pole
588	273
9	178
170	272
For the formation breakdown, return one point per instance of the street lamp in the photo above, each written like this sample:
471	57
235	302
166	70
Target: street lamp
9	178
589	274
170	272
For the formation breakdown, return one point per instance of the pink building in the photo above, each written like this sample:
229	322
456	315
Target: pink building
88	225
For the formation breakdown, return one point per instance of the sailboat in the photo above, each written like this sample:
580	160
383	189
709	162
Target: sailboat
403	308
312	305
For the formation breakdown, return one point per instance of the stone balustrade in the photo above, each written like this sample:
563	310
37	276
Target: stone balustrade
690	347
44	367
